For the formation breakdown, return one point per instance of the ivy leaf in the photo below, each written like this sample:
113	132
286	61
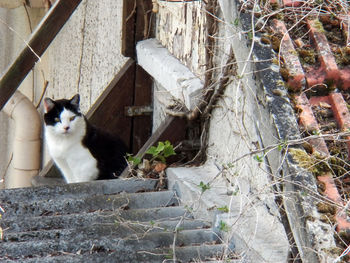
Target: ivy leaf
258	158
160	147
223	209
204	186
134	160
168	151
152	150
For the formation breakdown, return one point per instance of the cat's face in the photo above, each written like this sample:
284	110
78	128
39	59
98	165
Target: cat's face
62	117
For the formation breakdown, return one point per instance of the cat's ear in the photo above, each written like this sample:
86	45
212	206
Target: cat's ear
75	101
48	104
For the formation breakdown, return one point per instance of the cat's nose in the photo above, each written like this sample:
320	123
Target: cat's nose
66	128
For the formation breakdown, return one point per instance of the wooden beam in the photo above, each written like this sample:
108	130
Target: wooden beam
108	111
138	24
142	125
128	30
145	21
144	25
40	39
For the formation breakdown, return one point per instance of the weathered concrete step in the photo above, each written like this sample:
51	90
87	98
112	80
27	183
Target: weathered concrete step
81	245
77	190
122	229
87	219
87	204
183	254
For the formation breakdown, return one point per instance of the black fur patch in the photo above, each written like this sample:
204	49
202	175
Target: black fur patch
55	112
108	150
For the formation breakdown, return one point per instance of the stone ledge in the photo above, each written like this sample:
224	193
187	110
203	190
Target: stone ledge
175	77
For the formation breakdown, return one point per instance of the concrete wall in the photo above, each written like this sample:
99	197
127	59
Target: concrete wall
239	125
84	57
236	128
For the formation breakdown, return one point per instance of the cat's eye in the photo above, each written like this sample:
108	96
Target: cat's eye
57	119
72	118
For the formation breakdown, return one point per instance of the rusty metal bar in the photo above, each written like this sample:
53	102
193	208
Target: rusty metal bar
40	39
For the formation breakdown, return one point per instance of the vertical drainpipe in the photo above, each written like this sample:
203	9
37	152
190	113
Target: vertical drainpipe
11	4
27	144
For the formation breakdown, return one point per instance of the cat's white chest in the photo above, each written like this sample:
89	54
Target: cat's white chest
73	159
66	148
59	147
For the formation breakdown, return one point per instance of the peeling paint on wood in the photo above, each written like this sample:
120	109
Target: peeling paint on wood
182	29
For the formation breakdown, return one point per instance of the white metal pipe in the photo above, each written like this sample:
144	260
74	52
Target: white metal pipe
27	144
11	3
32	3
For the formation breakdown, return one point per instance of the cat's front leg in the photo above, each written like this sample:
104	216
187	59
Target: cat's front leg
84	171
65	170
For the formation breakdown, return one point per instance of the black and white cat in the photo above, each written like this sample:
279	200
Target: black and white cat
81	151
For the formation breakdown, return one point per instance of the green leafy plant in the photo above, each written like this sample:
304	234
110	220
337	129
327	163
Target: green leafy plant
316	132
282	145
236	191
223	209
223	226
250	35
169	255
204	186
133	160
258	158
162	151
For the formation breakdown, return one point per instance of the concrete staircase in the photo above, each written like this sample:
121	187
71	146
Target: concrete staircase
102	221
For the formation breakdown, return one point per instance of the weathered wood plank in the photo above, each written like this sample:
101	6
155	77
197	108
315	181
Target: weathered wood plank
128	31
138	24
142	125
108	111
144	21
40	39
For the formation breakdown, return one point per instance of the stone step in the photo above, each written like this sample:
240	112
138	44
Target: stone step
84	244
202	253
97	217
103	221
100	187
32	208
123	229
